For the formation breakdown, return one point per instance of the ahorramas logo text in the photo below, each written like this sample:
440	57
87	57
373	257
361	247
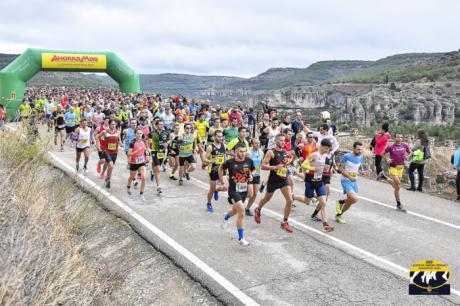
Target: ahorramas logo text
81	59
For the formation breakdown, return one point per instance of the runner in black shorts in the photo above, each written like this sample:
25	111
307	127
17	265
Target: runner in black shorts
173	151
213	158
158	140
240	174
276	161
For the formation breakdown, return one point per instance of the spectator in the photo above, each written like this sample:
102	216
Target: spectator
420	154
456	162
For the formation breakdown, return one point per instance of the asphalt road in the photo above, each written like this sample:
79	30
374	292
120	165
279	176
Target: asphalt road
362	262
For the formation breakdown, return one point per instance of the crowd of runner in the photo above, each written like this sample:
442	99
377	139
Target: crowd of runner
235	146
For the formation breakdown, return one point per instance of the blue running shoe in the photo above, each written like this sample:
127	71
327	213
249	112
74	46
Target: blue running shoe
209	207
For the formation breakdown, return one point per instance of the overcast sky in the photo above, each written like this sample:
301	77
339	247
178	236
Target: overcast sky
241	38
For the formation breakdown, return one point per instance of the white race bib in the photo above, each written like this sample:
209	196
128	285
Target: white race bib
241	187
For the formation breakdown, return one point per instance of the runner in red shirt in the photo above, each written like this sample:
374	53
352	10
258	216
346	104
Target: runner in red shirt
100	145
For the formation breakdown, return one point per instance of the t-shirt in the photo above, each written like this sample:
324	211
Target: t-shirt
202	127
351	165
381	143
238	173
230	133
397	153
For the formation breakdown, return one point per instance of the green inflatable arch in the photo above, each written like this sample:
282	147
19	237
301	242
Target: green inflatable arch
13	78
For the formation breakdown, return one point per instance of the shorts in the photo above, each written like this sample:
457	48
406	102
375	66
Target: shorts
326	179
213	175
396	170
348	186
101	154
135	167
190	159
255	180
157	161
312	187
110	157
79	150
235	197
272	186
58	129
69	129
49	116
172	153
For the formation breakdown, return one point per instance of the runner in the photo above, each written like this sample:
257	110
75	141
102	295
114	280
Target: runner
173	152
100	145
214	158
257	155
242	131
398	152
187	162
239	174
84	138
263	137
49	109
378	144
159	141
276	161
314	166
231	132
349	168
271	132
59	129
138	156
202	128
70	124
111	141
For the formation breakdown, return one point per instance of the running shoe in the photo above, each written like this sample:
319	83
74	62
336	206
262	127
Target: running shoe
152	176
248	212
187	176
340	219
77	167
285	226
181	182
327	228
410	189
142	198
98	168
316	218
85	171
225	223
164	168
107	184
129	191
172	177
262	187
62	149
209	208
203	166
216	196
159	191
401	208
257	215
338	207
243	242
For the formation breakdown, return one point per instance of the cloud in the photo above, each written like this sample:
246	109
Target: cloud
236	37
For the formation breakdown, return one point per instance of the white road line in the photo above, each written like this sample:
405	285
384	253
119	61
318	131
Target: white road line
390	266
227	285
408	212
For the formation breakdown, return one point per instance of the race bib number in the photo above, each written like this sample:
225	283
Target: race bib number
352	174
160	155
220	160
241	187
188	147
318	175
257	169
72	120
140	160
281	172
112	146
83	140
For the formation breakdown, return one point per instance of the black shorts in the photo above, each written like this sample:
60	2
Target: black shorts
157	161
326	179
272	186
58	129
172	153
110	157
234	197
190	159
213	175
79	150
255	180
135	167
101	154
70	129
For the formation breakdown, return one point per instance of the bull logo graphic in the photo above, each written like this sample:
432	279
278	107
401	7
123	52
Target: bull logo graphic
429	277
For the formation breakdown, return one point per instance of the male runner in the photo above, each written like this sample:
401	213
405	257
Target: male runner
276	161
214	158
158	140
187	162
84	138
111	141
257	155
100	145
239	174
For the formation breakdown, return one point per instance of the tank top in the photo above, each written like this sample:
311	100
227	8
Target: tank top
101	139
271	137
308	149
130	135
317	174
139	157
218	154
263	135
280	157
111	141
257	161
84	138
186	147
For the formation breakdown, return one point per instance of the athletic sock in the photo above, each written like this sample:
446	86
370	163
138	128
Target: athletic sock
227	216
240	233
141	193
129	187
285	220
398	203
342	202
314	213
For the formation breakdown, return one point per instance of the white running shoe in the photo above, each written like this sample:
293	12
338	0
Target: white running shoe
225	223
142	198
243	242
